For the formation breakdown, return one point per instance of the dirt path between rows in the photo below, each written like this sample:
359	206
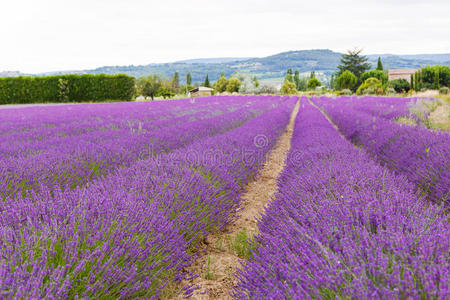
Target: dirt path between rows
217	266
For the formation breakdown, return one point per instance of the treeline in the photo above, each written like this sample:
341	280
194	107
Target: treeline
294	83
354	76
431	77
156	86
66	88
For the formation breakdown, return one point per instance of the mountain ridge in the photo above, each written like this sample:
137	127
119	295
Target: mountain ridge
273	67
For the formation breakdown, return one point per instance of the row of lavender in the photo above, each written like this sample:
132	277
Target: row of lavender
131	233
72	118
342	226
81	155
389	108
420	154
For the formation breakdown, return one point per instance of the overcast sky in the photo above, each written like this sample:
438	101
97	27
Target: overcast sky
49	35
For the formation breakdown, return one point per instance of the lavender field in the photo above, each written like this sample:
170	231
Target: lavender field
116	200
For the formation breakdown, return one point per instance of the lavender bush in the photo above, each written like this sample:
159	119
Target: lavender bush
342	226
74	159
130	233
420	154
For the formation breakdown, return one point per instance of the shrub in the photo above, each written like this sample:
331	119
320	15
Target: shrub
347	80
313	83
346	92
233	85
266	89
63	88
288	88
444	90
380	75
390	91
370	87
221	84
428	75
399	85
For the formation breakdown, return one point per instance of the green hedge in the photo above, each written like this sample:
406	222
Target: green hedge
66	88
427	75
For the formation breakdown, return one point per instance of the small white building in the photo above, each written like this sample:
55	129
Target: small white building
401	74
201	91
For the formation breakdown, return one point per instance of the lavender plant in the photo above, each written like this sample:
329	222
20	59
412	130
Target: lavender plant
132	232
79	158
416	152
342	226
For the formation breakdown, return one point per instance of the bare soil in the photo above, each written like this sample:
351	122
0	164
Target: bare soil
218	263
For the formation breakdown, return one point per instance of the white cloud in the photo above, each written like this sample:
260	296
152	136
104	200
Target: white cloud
47	35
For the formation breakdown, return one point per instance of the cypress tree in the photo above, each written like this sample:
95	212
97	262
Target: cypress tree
411	80
188	79
297	79
416	81
206	83
176	80
332	80
289	76
436	80
420	80
379	65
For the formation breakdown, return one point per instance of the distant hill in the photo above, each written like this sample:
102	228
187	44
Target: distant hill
11	74
436	58
217	60
270	68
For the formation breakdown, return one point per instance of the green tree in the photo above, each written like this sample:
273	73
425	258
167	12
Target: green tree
221	84
255	81
436	80
206	83
266	89
149	86
233	85
411	81
303	84
188	79
313	83
380	75
63	85
379	65
176	81
332	81
399	85
416	81
288	88
370	86
313	74
428	74
289	76
167	89
346	80
354	62
297	78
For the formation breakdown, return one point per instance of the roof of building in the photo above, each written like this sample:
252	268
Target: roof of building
201	89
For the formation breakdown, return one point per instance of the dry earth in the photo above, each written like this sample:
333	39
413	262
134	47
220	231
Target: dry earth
220	259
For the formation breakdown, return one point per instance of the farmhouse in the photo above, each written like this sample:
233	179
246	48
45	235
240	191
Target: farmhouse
401	74
201	91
